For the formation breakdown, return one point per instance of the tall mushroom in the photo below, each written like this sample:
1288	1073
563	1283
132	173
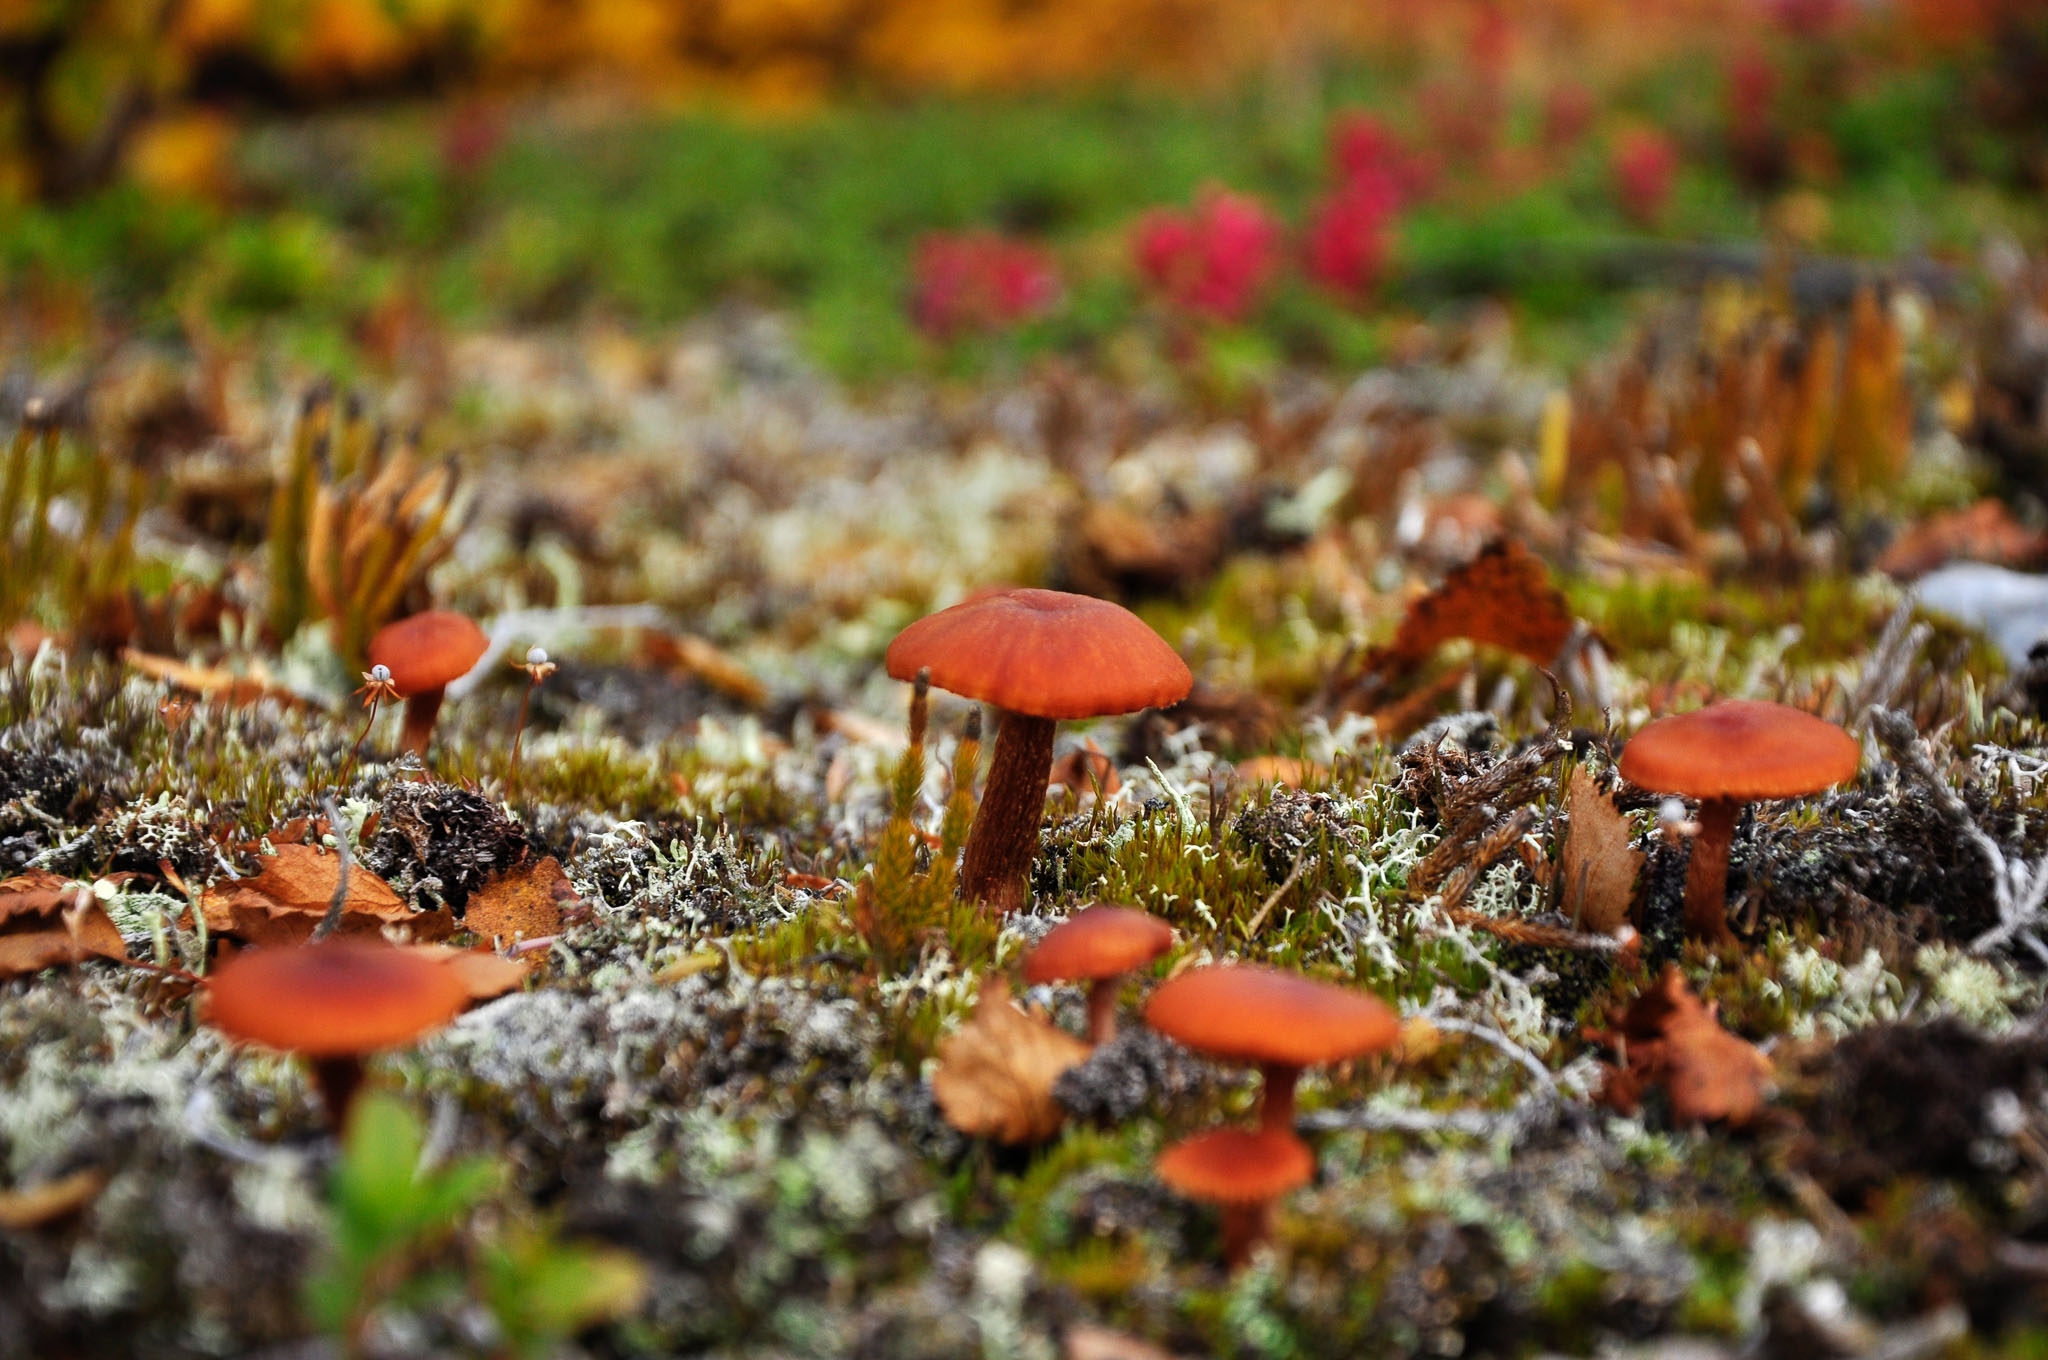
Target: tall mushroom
1037	656
333	1003
425	654
1726	755
1283	1022
1098	946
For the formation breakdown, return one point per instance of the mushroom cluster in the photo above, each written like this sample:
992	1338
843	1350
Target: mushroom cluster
1282	1022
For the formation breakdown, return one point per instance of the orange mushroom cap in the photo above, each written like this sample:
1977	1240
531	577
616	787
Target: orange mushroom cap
428	651
1264	1015
1044	653
340	999
1100	942
1740	748
1237	1166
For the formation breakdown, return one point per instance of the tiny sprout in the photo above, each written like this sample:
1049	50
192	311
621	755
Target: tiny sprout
378	688
538	668
174	712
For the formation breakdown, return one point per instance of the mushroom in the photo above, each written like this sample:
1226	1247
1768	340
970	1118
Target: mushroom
333	1003
1282	1021
424	654
1243	1170
1098	946
1037	656
1725	755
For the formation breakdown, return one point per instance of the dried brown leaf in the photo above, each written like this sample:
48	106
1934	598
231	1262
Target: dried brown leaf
283	903
996	1072
46	922
213	682
41	1205
1600	861
482	973
1670	1038
1503	597
523	903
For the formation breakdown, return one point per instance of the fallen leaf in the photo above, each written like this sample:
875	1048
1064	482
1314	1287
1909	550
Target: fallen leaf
482	973
523	903
1289	770
996	1072
283	903
44	1204
1984	532
47	922
213	682
695	656
1085	1342
1600	861
1670	1038
1085	771
1503	597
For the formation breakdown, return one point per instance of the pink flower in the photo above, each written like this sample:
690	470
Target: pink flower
1364	148
1349	238
978	281
1567	113
1215	259
1644	163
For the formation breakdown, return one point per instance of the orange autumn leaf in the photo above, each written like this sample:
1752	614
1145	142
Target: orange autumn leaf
212	682
481	973
51	1202
689	655
46	922
1503	597
283	903
1600	861
523	903
1670	1038
996	1072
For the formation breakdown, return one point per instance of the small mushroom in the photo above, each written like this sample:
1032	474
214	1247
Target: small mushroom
425	653
333	1003
1037	656
1245	1171
1282	1021
1098	946
1726	755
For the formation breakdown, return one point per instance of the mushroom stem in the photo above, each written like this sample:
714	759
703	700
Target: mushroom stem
1706	873
997	862
421	709
1276	1110
1244	1227
1102	1009
337	1080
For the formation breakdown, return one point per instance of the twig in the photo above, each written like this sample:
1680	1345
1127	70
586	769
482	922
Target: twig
347	857
1251	927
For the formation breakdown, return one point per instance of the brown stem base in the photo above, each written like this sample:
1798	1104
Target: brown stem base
420	711
1276	1107
1706	873
996	867
1245	1226
338	1080
1102	1009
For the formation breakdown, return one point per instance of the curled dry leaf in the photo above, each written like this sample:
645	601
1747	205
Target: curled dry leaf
523	903
1085	770
1600	861
996	1072
41	1205
212	682
482	973
694	656
47	922
1503	597
1670	1038
283	903
1292	771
